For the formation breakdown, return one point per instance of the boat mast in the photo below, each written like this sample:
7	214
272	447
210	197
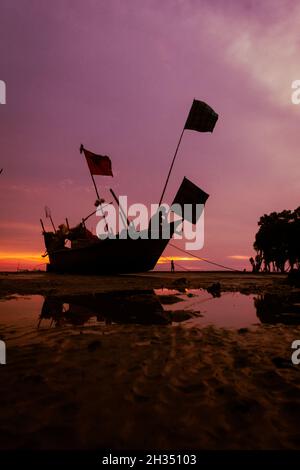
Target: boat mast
98	202
175	154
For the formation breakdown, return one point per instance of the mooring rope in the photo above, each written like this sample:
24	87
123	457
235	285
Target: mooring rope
205	259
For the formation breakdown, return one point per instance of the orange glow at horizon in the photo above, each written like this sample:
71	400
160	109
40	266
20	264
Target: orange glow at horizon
32	257
14	261
167	259
31	260
21	256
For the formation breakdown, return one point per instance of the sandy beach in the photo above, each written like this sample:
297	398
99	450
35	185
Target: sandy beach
57	284
128	386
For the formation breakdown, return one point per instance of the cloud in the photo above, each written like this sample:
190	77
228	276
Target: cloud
265	46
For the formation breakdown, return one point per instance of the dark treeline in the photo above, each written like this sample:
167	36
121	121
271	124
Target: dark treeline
277	242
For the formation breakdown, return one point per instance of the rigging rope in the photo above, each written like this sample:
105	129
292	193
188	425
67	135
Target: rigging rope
204	259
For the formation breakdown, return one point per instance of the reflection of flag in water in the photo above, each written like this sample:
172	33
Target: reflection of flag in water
98	164
201	118
189	193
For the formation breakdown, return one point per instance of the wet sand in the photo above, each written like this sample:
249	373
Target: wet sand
145	387
58	284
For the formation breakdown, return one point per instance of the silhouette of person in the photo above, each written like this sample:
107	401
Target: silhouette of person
172	266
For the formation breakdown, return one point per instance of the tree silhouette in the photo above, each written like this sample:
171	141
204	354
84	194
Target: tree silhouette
277	242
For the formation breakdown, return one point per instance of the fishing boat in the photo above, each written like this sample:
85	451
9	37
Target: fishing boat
97	256
77	250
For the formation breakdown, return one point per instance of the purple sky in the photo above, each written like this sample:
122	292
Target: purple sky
120	77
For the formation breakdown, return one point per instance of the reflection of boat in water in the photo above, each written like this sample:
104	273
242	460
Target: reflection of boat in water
276	308
138	307
151	307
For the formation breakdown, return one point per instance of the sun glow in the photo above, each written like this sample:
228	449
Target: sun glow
167	259
16	260
20	256
239	257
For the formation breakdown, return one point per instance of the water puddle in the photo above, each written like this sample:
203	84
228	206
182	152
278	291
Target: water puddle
229	310
191	308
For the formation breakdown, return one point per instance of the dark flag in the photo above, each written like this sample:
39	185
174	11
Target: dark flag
201	118
47	212
98	164
189	193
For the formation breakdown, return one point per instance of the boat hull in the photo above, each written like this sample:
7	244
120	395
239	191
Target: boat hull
108	256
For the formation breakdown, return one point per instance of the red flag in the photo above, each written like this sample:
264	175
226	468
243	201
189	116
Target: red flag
98	164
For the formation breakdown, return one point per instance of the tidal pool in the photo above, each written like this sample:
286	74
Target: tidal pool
191	308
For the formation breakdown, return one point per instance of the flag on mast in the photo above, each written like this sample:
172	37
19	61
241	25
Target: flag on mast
98	164
201	118
189	193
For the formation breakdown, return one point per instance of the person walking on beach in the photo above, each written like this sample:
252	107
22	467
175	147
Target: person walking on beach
172	266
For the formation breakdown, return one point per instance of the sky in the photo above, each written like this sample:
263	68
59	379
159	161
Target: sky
120	77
